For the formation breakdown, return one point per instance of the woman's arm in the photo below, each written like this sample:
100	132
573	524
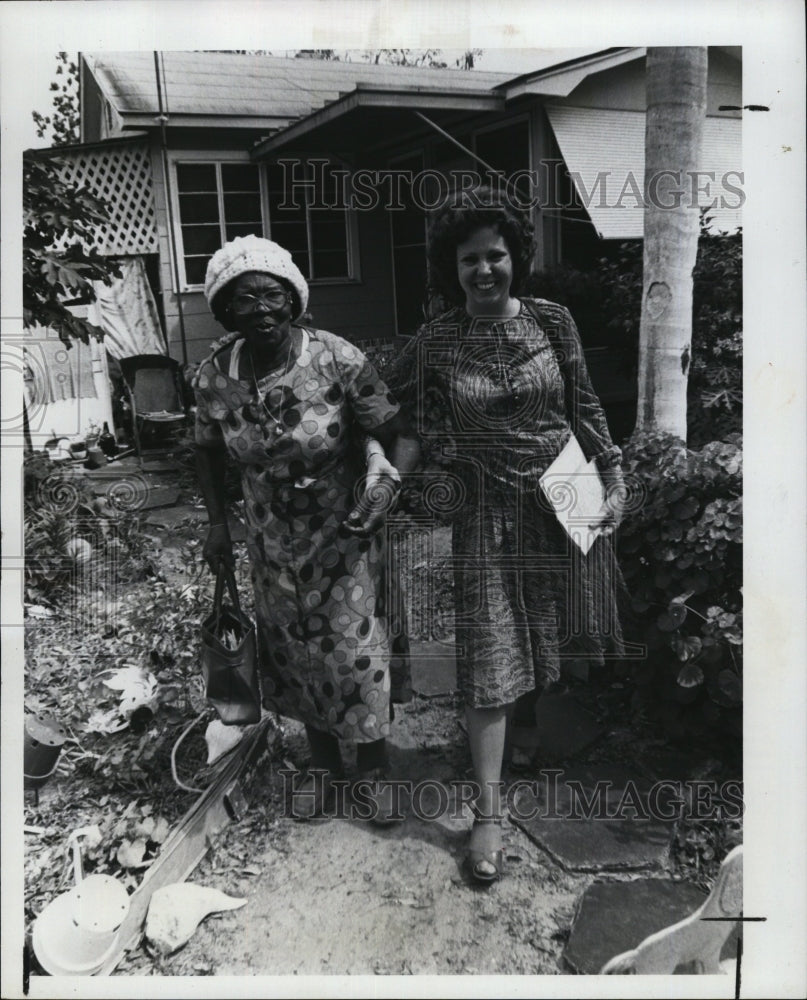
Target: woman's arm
583	407
211	462
392	450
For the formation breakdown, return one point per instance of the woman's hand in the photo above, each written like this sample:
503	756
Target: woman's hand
615	493
218	548
381	487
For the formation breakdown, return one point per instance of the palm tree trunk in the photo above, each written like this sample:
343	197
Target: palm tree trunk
676	109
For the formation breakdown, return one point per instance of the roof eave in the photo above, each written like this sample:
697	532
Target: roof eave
560	81
149	120
420	99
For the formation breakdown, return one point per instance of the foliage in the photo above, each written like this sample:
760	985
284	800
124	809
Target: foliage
681	554
60	259
716	374
606	304
71	535
433	58
699	847
64	122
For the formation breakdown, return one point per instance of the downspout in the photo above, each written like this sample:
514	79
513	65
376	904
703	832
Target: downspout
163	119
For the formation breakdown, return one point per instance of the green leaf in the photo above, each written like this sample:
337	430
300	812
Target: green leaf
687	647
690	676
730	687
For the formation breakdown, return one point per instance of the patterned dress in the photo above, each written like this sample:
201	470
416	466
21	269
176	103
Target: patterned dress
495	402
325	639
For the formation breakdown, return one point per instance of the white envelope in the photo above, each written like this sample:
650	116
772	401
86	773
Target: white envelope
574	488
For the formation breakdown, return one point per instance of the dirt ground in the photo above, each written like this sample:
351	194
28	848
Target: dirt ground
342	896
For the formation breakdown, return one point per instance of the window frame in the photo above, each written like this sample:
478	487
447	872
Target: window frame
218	158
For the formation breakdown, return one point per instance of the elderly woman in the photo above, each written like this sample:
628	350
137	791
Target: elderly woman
504	377
288	404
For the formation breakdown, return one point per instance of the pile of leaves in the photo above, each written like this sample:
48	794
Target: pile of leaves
72	536
681	553
119	670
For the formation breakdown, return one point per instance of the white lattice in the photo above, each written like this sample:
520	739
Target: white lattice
121	175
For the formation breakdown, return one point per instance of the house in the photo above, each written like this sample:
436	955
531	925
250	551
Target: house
338	160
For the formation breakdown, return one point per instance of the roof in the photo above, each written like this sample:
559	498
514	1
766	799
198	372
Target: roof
380	112
199	86
561	78
609	145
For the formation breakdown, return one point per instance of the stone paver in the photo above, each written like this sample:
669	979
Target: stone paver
613	917
434	668
613	838
563	728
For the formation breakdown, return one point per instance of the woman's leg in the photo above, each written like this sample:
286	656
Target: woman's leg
371	756
325	754
487	728
487	731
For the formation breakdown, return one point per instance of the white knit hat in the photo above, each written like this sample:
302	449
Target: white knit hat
252	253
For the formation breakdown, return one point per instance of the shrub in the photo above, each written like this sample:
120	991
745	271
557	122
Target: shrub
606	304
681	555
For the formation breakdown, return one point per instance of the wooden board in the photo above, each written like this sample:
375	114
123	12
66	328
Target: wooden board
188	843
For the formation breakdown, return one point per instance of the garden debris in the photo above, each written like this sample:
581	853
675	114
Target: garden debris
176	910
138	696
221	739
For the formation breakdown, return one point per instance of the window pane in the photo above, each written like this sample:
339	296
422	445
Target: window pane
291	235
330	264
201	239
198	208
328	233
294	197
195	269
239	177
301	260
196	176
242	207
243	229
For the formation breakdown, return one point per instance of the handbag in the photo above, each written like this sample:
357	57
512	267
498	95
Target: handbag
230	657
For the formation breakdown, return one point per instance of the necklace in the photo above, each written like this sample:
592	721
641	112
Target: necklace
277	420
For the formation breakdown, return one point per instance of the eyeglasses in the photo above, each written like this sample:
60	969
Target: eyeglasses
245	303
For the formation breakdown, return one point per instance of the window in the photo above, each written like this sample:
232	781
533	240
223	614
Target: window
219	201
301	220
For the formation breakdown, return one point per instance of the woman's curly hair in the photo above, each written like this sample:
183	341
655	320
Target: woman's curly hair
461	216
220	304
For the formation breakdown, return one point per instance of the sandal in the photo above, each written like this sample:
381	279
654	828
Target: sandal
486	867
377	793
314	795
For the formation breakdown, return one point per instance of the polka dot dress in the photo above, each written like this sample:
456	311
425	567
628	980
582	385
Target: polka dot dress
329	656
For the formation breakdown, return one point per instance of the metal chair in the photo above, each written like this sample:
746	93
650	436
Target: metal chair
154	386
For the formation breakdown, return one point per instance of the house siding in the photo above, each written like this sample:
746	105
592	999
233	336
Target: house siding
357	310
623	87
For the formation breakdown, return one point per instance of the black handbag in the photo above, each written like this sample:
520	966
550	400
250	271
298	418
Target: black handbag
230	657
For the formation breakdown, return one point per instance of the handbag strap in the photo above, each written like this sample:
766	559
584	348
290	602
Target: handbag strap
225	575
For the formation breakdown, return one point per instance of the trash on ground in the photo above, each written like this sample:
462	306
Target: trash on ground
176	910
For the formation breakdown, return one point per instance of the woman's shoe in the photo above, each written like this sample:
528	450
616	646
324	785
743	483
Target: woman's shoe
486	867
378	793
314	795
